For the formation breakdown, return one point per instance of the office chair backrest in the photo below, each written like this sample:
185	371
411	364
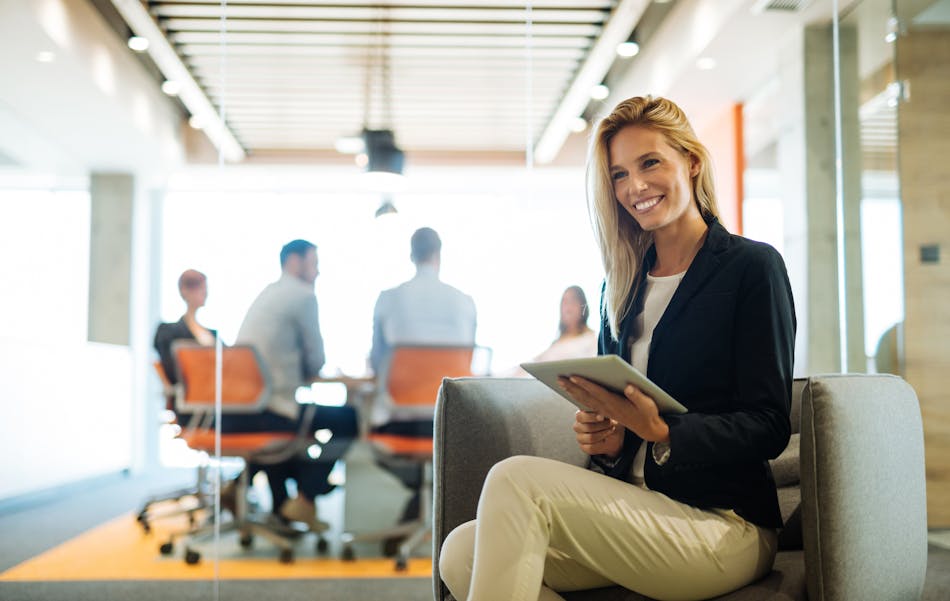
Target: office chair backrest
162	376
245	386
416	372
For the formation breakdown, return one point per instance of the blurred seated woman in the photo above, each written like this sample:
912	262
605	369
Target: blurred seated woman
193	287
575	339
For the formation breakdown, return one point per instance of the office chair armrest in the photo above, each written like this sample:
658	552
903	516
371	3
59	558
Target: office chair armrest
864	512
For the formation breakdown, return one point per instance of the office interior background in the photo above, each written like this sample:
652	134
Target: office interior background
226	137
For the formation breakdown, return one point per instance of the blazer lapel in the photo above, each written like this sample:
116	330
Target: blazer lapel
704	265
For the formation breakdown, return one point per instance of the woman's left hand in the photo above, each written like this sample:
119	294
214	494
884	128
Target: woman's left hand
634	410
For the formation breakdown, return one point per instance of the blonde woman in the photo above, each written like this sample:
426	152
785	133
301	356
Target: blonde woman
673	507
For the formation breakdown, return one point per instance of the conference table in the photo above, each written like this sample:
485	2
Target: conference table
360	391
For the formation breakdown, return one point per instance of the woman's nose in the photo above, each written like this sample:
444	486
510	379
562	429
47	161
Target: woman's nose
637	186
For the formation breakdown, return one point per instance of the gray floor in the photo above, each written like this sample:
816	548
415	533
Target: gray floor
283	590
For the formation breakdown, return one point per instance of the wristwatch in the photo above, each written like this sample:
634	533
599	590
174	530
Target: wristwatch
661	452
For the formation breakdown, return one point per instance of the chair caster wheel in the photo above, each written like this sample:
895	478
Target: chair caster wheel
246	541
286	556
166	548
348	554
322	545
402	564
192	557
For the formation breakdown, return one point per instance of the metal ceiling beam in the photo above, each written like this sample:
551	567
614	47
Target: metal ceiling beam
592	72
516	53
371	12
393	29
194	99
343	40
536	4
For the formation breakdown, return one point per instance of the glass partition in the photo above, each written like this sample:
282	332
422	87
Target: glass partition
921	33
109	200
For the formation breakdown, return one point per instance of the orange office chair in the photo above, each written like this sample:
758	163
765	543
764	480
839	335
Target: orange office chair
414	377
245	388
189	500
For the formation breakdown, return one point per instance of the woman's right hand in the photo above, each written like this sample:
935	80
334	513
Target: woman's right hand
598	435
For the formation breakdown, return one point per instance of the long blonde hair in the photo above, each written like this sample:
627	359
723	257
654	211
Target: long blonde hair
622	242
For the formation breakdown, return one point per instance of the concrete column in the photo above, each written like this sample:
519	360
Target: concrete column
822	298
923	63
112	198
124	257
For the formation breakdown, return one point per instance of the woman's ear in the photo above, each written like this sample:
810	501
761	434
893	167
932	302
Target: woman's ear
693	165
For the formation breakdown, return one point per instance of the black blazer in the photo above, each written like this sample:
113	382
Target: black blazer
724	348
165	335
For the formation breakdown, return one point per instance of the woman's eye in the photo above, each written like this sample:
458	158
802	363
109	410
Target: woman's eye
617	175
650	162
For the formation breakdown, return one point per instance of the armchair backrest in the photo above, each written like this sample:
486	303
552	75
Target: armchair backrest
245	385
864	509
416	372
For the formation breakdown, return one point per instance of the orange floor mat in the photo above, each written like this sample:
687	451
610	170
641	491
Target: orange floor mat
118	550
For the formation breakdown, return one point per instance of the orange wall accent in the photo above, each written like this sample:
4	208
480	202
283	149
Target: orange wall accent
723	137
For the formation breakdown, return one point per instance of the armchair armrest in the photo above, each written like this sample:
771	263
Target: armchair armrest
480	421
864	512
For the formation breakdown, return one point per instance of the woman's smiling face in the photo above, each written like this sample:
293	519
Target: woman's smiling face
651	179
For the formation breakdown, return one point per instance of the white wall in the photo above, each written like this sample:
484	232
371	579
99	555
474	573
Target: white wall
92	108
66	403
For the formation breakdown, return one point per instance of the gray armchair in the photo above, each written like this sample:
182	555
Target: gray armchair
851	482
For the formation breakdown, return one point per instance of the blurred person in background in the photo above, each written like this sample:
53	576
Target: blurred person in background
283	325
193	287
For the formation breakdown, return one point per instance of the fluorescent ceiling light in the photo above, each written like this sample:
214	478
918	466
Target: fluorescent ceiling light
171	87
196	122
138	43
578	125
599	92
45	56
143	25
628	49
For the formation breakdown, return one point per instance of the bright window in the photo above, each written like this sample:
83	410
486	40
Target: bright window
513	240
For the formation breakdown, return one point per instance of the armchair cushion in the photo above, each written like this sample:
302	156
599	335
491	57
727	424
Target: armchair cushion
785	466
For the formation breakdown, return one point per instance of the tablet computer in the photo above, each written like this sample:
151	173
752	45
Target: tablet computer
610	371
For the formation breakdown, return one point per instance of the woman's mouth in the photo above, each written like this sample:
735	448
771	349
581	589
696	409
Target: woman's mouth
647	204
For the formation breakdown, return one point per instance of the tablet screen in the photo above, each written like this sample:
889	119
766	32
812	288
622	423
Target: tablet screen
610	371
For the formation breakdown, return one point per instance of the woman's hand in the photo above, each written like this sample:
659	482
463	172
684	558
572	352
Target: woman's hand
634	410
598	435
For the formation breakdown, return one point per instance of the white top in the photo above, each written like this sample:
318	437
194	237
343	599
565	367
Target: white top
571	347
656	298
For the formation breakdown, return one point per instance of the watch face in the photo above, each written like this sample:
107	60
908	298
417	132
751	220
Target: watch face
661	452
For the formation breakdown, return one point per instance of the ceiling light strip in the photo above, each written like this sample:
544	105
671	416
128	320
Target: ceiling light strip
598	61
171	66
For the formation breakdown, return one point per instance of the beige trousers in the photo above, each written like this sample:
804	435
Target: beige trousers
544	526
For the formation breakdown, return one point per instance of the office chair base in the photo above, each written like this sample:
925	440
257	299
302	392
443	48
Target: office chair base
416	532
189	501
